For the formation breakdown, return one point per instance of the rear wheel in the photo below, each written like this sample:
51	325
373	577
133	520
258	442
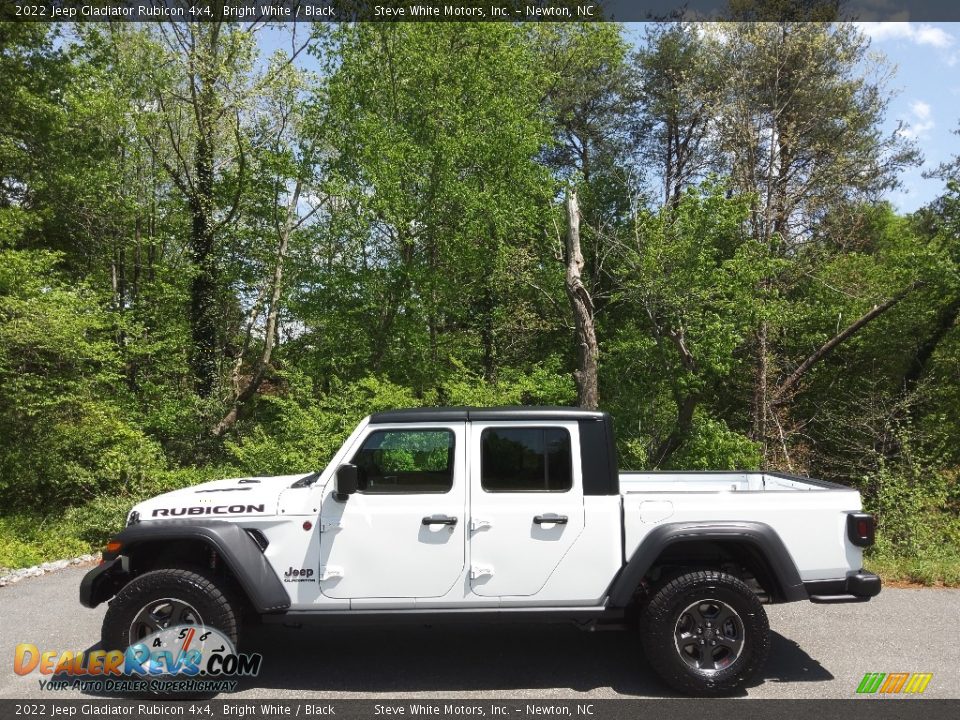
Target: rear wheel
705	633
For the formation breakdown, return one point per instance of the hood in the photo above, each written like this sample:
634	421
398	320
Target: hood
219	499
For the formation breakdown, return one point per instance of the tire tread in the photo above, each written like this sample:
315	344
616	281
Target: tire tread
657	625
195	580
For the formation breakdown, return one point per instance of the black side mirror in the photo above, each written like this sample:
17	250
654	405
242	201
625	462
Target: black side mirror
346	482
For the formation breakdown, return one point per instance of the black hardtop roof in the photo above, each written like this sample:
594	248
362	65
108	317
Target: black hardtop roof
460	414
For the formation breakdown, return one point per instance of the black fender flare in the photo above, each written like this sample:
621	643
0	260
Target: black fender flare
762	538
235	548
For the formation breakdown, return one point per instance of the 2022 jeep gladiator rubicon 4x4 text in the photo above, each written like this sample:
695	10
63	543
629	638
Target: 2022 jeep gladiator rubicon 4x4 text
462	514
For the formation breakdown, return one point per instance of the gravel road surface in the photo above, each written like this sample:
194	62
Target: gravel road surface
818	651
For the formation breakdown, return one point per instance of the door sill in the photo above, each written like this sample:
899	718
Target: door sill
446	615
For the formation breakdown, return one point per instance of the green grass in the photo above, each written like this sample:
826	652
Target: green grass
936	567
27	541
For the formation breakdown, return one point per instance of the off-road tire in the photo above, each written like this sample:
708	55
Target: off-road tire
660	625
212	597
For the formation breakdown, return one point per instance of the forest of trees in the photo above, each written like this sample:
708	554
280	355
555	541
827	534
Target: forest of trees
215	258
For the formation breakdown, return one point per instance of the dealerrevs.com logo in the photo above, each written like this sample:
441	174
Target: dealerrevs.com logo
177	659
894	683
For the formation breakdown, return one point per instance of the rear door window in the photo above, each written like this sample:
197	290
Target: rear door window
525	460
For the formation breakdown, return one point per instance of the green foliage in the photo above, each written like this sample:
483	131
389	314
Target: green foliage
442	196
303	432
543	384
30	538
909	501
60	371
800	116
711	445
685	305
918	534
939	565
95	521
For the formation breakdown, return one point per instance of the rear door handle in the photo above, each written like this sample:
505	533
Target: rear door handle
555	519
439	520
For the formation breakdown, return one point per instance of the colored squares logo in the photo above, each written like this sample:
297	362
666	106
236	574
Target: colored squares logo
894	683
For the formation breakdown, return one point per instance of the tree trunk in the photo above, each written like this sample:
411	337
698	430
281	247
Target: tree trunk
203	290
686	404
488	307
488	332
582	306
760	408
686	407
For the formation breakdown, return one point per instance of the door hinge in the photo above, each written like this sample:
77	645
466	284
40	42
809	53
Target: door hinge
476	524
330	572
478	571
329	526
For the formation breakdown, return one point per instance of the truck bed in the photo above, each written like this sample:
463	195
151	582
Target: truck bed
719	481
808	514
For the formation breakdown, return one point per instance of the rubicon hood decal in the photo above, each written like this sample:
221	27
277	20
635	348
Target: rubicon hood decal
209	510
219	498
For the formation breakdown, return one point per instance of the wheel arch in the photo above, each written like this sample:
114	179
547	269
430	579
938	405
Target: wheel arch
166	543
755	544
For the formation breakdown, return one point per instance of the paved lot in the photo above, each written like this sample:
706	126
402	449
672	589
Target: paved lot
819	651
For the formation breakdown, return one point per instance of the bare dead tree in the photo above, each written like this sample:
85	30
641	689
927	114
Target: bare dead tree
583	311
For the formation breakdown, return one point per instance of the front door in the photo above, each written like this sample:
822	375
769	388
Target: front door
526	504
402	534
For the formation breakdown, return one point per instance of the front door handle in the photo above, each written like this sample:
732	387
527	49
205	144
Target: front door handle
555	519
439	520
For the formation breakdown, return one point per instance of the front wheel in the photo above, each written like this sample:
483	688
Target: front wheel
705	633
162	599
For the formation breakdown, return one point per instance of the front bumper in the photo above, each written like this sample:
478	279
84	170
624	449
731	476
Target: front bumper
856	587
102	583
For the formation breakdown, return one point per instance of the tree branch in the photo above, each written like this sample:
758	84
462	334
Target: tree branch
241	170
686	357
779	395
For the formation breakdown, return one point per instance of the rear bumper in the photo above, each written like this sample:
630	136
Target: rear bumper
856	587
101	583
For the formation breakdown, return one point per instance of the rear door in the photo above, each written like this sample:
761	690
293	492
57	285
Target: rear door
402	534
526	504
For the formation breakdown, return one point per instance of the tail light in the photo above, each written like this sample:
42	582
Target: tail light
861	529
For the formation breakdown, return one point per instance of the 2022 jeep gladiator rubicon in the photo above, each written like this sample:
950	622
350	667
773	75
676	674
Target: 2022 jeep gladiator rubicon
463	514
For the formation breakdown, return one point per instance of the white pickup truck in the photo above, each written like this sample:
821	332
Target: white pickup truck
469	515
